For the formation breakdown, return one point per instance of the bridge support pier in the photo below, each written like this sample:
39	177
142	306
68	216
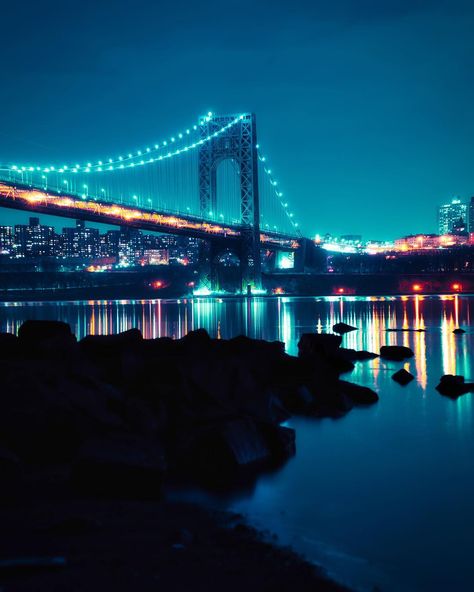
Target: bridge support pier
250	264
247	250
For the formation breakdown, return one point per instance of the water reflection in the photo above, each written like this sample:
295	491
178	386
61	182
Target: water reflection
410	455
284	319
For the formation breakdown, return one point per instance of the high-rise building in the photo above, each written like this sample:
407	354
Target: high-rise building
80	241
471	215
35	240
6	240
451	214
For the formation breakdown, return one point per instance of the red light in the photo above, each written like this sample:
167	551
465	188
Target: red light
191	284
278	291
341	290
157	284
456	287
416	287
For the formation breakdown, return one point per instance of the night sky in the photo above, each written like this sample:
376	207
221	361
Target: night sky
365	108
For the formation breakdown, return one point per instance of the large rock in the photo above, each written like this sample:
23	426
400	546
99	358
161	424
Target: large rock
121	467
9	345
395	352
221	450
360	395
402	376
313	345
47	409
10	472
356	355
98	346
47	339
342	328
454	386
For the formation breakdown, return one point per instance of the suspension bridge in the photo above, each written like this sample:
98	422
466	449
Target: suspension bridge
210	181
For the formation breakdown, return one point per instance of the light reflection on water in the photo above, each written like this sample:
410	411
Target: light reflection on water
383	496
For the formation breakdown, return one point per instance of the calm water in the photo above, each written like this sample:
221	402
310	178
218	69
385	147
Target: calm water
383	497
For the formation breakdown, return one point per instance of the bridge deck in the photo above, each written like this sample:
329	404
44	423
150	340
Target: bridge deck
22	197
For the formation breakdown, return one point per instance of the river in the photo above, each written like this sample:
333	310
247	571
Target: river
382	497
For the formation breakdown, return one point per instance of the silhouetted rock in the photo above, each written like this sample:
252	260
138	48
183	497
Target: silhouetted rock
360	395
402	376
395	352
109	345
120	467
218	451
10	472
459	331
45	339
356	355
9	345
313	345
342	328
37	331
454	386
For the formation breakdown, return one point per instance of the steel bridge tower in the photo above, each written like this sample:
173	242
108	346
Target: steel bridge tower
238	143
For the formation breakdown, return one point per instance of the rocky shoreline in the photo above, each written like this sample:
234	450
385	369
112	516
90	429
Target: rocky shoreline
93	431
97	427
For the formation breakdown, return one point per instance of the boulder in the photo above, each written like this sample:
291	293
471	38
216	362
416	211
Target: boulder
9	345
120	467
395	352
47	408
342	328
313	345
98	346
45	339
220	450
37	331
454	386
360	395
402	376
10	472
356	355
459	331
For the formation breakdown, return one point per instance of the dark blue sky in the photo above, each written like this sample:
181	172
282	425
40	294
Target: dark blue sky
365	107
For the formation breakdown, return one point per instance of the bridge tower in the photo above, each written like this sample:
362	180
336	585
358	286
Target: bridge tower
239	143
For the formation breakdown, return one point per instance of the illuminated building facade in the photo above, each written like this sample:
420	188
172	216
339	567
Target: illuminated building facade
35	240
414	242
80	241
471	216
6	240
450	214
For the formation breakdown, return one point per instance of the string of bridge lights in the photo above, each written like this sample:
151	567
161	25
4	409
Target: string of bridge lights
274	184
131	160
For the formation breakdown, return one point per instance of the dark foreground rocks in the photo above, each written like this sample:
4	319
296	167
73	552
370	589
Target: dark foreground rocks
342	328
90	545
92	430
403	377
454	386
396	353
124	413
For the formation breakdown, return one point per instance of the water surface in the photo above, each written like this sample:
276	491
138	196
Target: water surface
383	497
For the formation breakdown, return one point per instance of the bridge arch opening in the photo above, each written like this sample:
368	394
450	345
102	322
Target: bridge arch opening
227	198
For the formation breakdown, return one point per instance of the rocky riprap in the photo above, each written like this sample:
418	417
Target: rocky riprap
122	413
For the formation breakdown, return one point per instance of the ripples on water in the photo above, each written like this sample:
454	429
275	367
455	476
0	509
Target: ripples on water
382	497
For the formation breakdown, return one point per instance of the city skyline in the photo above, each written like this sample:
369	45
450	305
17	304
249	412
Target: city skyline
364	120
